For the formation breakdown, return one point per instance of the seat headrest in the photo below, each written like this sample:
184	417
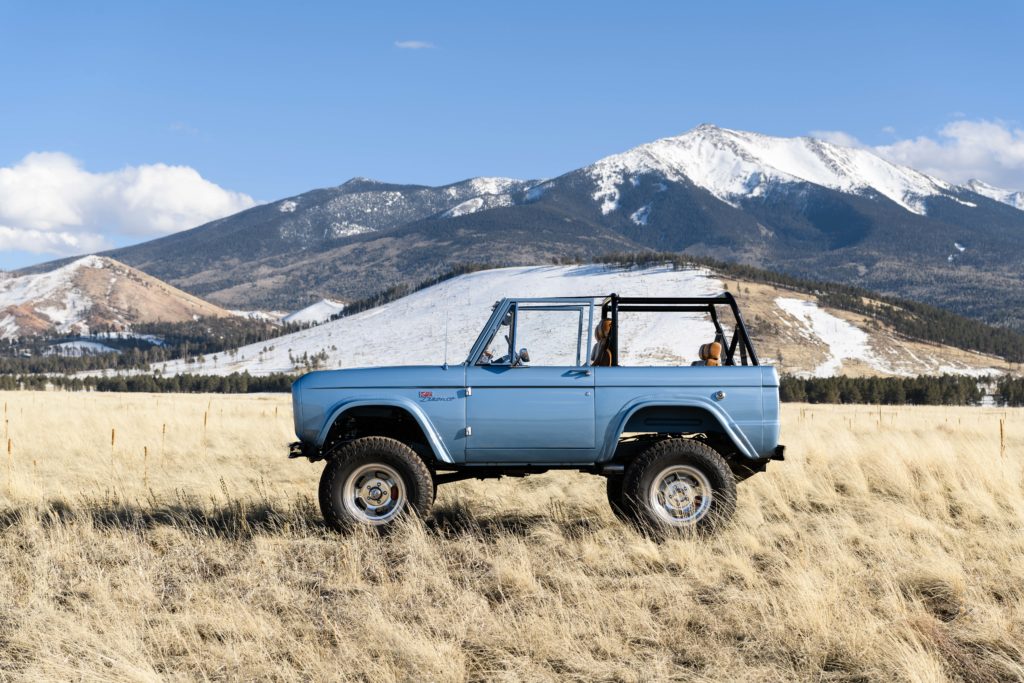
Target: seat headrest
604	328
712	351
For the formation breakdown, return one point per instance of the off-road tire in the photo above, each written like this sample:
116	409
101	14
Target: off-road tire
419	484
613	487
638	481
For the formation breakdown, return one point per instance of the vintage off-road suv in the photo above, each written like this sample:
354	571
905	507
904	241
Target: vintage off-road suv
672	441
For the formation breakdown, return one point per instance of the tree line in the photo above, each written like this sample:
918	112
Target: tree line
235	383
952	390
147	343
1011	390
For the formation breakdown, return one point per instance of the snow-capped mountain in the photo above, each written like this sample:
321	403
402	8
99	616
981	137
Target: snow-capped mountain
94	294
795	331
734	164
362	206
1014	199
797	205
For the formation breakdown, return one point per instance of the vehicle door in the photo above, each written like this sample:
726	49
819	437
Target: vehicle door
530	393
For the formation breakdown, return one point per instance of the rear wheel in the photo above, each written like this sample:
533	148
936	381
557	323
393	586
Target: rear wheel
679	485
372	482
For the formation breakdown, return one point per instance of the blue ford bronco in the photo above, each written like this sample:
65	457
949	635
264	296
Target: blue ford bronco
672	441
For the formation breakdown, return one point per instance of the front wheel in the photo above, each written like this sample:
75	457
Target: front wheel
679	485
372	482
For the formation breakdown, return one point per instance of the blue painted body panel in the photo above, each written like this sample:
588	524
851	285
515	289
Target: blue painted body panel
319	398
622	392
548	415
538	414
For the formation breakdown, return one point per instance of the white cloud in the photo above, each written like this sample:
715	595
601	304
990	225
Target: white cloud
49	204
414	45
992	151
49	242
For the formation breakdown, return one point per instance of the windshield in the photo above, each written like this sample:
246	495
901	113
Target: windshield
539	334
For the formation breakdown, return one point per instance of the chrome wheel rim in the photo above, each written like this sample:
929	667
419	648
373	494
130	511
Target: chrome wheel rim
374	493
681	495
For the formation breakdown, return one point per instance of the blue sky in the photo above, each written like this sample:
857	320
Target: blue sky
265	100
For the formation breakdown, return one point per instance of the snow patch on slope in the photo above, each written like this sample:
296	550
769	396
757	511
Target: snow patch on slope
77	349
482	203
266	316
733	164
467	207
487	185
347	229
315	313
641	215
844	341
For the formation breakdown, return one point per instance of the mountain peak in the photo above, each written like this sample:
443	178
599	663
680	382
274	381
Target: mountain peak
361	181
1011	197
89	293
733	165
94	261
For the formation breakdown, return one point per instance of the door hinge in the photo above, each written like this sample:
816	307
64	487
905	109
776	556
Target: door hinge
469	431
469	391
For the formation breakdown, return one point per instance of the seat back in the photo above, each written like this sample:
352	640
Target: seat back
601	355
711	353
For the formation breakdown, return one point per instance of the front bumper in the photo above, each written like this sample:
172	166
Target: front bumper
779	453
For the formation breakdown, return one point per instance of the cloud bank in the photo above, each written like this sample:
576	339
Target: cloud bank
49	204
991	151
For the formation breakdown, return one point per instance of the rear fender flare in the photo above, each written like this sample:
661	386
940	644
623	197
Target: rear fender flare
433	438
729	427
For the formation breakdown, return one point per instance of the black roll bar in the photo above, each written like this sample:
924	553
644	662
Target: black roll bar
708	305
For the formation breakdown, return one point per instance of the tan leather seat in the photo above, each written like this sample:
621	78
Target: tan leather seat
601	355
711	353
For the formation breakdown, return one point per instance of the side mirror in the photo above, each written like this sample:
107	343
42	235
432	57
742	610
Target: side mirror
522	357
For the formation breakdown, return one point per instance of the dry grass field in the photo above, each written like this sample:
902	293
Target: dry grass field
167	538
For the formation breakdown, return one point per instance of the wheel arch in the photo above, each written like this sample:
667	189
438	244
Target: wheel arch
673	416
359	407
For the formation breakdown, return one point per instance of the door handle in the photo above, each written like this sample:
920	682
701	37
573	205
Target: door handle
584	373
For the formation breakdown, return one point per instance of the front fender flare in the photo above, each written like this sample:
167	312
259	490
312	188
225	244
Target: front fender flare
730	428
433	438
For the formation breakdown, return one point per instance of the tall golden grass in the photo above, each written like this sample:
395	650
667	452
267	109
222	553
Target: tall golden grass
166	537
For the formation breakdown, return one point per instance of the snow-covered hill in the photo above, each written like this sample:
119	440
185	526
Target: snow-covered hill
732	164
443	321
91	294
314	314
1014	199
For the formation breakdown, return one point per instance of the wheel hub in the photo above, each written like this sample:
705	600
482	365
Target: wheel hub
374	493
680	495
377	491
